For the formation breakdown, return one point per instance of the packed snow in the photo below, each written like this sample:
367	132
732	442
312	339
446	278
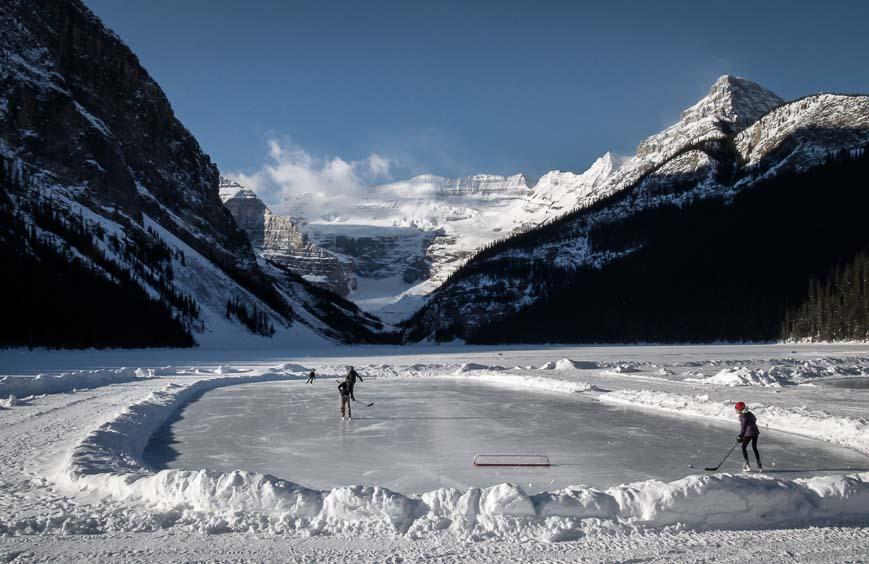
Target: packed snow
71	462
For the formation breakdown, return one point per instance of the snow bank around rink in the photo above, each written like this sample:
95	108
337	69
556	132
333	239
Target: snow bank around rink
505	378
851	432
68	381
107	462
787	372
471	372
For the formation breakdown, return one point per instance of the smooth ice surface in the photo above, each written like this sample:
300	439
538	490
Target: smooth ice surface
421	435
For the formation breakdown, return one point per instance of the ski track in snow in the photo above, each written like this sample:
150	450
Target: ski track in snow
71	482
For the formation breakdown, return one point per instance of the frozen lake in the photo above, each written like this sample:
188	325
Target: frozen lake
423	434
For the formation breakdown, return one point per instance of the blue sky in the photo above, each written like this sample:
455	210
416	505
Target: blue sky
458	88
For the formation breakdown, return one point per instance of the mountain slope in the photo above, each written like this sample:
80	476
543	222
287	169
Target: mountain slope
588	275
112	219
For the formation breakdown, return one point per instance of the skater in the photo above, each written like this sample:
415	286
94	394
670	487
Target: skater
748	434
344	391
311	377
352	376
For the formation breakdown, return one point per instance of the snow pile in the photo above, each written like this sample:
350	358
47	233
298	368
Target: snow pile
567	364
624	368
744	376
851	432
726	501
11	401
473	366
785	372
68	381
523	381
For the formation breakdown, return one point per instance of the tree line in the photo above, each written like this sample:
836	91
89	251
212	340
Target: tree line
61	289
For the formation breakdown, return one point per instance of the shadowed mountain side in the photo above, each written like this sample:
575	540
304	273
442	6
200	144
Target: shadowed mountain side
726	265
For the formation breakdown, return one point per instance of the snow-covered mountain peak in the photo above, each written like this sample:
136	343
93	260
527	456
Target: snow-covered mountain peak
604	166
562	191
229	188
732	104
733	99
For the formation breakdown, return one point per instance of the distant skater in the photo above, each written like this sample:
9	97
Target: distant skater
344	391
352	376
748	433
311	377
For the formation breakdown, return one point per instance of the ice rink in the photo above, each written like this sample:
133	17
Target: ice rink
421	435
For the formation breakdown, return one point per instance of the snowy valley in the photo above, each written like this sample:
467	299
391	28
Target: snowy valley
403	239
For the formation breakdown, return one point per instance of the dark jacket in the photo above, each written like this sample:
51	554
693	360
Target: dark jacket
748	424
344	388
352	376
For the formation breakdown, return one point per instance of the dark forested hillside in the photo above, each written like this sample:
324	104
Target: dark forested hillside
712	270
836	307
62	290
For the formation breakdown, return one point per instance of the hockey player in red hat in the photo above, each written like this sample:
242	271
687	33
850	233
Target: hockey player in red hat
748	433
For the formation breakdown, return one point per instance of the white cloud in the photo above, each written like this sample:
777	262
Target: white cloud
291	175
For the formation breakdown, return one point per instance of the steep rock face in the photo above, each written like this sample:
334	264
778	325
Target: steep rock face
110	210
79	103
502	286
280	240
476	185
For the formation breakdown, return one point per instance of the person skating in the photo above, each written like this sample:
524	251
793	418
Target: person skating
352	376
311	377
748	433
344	392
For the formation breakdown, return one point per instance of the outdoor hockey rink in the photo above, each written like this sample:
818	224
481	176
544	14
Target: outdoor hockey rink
423	434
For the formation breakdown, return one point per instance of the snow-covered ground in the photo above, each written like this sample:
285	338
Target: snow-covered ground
74	485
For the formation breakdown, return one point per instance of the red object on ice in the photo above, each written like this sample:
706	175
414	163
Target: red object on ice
740	405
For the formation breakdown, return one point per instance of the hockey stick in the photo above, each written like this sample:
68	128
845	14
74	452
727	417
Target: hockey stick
722	460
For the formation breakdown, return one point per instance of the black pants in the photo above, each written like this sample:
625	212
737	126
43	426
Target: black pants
753	441
352	385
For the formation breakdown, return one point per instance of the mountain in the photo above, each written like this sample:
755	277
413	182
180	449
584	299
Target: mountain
111	217
714	230
403	239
